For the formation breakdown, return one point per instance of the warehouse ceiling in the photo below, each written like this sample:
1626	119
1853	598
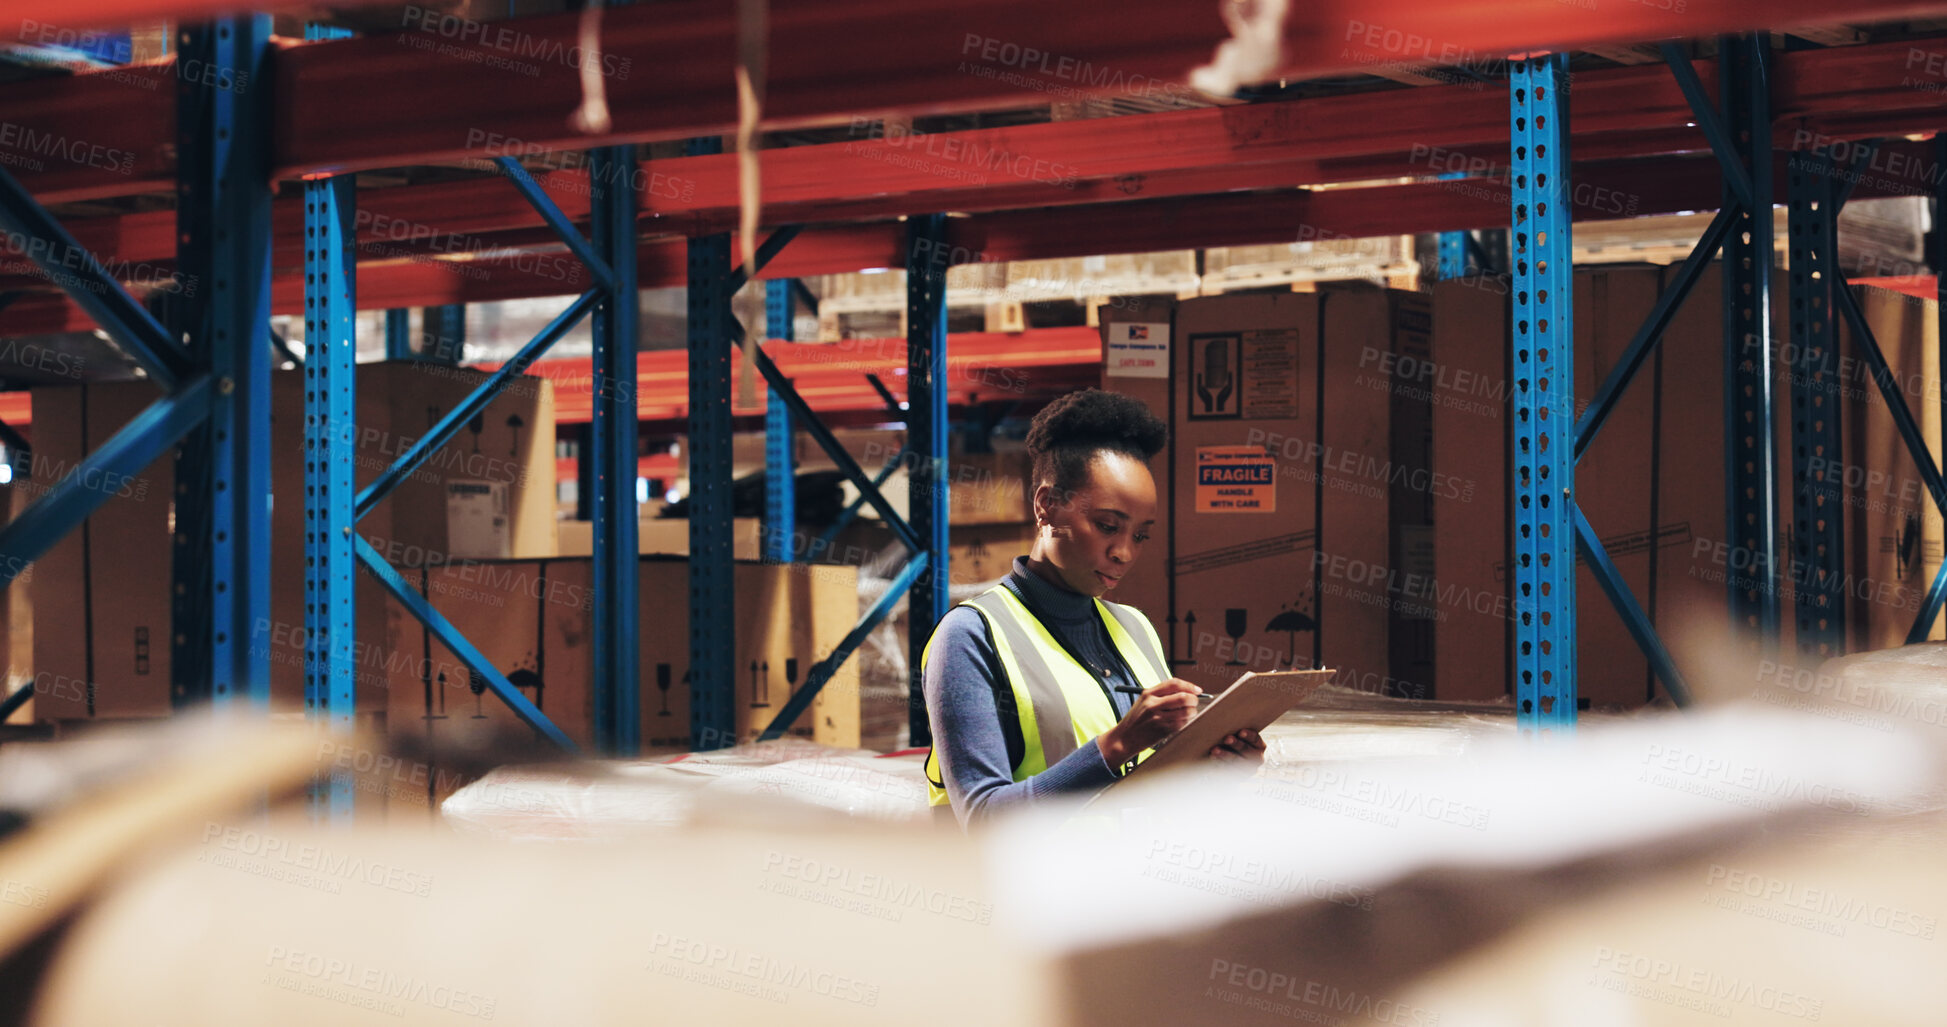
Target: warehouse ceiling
149	42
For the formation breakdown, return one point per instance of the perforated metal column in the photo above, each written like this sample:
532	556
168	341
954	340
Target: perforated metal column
1818	495
330	440
780	469
1544	397
1751	514
618	721
926	428
223	217
713	635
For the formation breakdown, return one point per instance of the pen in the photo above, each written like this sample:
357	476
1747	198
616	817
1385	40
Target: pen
1201	696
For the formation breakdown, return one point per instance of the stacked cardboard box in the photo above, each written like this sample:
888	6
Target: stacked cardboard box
1296	527
533	620
1654	480
488	492
1651	484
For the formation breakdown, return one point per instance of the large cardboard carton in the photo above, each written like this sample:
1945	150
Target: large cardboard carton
106	586
103	590
1616	481
1138	338
1696	568
661	535
1287	439
1651	484
1470	382
17	617
1893	527
533	620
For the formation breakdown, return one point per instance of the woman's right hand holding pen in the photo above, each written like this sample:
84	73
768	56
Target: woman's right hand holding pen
1160	711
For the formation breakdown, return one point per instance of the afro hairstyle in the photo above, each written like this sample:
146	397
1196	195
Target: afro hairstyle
1067	434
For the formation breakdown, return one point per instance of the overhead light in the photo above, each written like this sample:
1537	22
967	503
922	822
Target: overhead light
875	271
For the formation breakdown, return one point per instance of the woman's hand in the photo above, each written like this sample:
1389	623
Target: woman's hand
1160	711
1245	747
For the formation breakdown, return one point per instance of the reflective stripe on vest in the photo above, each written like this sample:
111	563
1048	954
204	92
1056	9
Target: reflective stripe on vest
1060	703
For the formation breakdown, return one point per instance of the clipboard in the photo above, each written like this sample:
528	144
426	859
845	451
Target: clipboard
1252	701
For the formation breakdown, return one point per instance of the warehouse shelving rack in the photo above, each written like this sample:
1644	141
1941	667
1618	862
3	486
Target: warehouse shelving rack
1126	192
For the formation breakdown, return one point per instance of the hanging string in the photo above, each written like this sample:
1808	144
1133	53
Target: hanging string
592	116
753	40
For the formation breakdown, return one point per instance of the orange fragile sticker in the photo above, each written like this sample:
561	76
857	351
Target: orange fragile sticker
1236	479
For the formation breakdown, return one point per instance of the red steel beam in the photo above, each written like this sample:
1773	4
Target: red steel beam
435	90
1626	112
375	102
1599	190
980	365
831	377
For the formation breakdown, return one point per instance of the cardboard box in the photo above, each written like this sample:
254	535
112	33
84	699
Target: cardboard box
17	618
1472	537
113	658
1287	438
1652	483
103	590
533	619
660	535
1137	334
986	488
976	553
1892	526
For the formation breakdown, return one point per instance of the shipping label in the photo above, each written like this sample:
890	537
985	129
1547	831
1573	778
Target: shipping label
1139	350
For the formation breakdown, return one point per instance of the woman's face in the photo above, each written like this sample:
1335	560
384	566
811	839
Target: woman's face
1095	535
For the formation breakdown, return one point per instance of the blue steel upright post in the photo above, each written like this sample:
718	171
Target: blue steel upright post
1750	494
398	334
780	470
926	430
444	333
713	636
223	219
1818	492
618	724
330	438
1544	397
1452	245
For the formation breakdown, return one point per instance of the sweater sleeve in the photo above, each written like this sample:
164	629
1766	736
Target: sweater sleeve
961	676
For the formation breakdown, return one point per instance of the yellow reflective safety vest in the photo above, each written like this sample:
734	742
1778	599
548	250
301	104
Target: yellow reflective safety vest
1060	703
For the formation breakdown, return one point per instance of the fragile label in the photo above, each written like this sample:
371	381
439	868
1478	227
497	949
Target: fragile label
1139	350
1236	479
